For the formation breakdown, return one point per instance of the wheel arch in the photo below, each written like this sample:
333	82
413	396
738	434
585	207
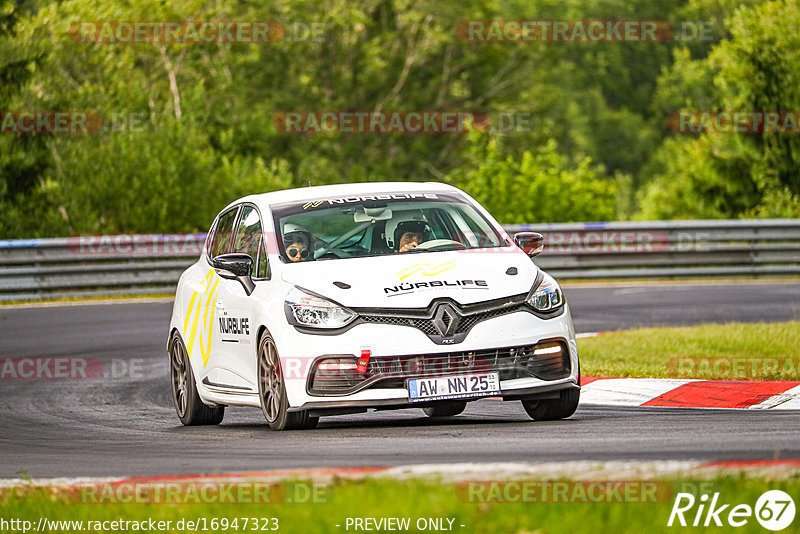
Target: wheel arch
260	333
171	338
175	335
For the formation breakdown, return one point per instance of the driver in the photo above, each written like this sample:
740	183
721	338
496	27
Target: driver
409	234
298	243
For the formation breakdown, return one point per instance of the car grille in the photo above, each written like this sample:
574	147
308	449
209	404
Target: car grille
426	325
468	316
393	371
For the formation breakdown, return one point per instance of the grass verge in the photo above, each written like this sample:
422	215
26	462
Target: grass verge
734	351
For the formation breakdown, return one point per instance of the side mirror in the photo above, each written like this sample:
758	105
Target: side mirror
236	267
531	242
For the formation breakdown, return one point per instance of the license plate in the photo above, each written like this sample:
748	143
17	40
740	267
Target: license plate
453	387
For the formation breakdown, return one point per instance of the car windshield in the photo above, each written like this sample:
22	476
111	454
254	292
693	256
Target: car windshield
381	224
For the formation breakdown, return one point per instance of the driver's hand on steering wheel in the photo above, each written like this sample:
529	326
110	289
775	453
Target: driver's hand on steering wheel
410	240
408	246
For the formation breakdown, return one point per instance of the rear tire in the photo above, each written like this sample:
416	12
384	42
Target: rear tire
190	408
272	391
445	409
552	409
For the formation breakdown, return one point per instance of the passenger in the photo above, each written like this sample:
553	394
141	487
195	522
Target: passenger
298	243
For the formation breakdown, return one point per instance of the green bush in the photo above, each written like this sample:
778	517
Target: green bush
539	186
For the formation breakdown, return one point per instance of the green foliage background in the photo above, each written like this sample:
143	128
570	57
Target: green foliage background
597	149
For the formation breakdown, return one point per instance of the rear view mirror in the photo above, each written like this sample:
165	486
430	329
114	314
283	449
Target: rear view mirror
236	267
531	242
372	214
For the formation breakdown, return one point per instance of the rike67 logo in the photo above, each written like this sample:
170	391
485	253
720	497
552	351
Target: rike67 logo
774	510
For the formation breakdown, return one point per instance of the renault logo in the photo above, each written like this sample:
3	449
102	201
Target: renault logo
446	319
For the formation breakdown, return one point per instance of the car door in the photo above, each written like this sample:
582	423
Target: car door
202	337
235	309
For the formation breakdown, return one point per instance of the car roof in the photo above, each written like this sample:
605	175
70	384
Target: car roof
338	190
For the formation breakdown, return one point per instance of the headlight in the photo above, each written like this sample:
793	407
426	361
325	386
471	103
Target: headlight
547	297
316	312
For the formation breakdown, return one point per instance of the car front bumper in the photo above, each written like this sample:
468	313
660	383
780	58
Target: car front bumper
386	341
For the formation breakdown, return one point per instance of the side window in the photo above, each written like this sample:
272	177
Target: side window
248	239
223	234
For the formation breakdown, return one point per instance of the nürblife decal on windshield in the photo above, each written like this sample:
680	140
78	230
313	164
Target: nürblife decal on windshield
366	198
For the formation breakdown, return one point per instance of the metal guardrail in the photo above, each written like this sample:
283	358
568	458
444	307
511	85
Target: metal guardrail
93	266
86	266
669	249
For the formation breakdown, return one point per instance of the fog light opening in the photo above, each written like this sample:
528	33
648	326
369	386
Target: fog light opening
334	365
547	348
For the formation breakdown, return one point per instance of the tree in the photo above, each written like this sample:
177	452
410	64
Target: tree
23	159
733	174
540	186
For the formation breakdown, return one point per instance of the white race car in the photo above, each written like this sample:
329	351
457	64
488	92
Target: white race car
338	299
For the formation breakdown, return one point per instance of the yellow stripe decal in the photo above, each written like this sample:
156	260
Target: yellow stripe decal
188	312
193	313
440	269
408	271
190	341
207	325
426	269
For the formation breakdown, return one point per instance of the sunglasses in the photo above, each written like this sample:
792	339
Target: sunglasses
292	252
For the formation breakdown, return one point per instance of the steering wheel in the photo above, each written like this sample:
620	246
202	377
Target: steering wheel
435	244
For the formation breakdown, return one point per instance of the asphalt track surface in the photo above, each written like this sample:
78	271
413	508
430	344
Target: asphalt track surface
126	426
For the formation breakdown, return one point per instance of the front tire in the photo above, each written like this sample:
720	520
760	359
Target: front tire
552	409
445	409
190	408
272	391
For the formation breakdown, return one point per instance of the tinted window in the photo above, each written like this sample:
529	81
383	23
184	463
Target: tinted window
372	225
223	234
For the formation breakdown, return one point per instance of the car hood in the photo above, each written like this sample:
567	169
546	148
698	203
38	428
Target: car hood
414	280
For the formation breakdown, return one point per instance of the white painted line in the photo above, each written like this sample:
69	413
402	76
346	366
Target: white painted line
576	470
